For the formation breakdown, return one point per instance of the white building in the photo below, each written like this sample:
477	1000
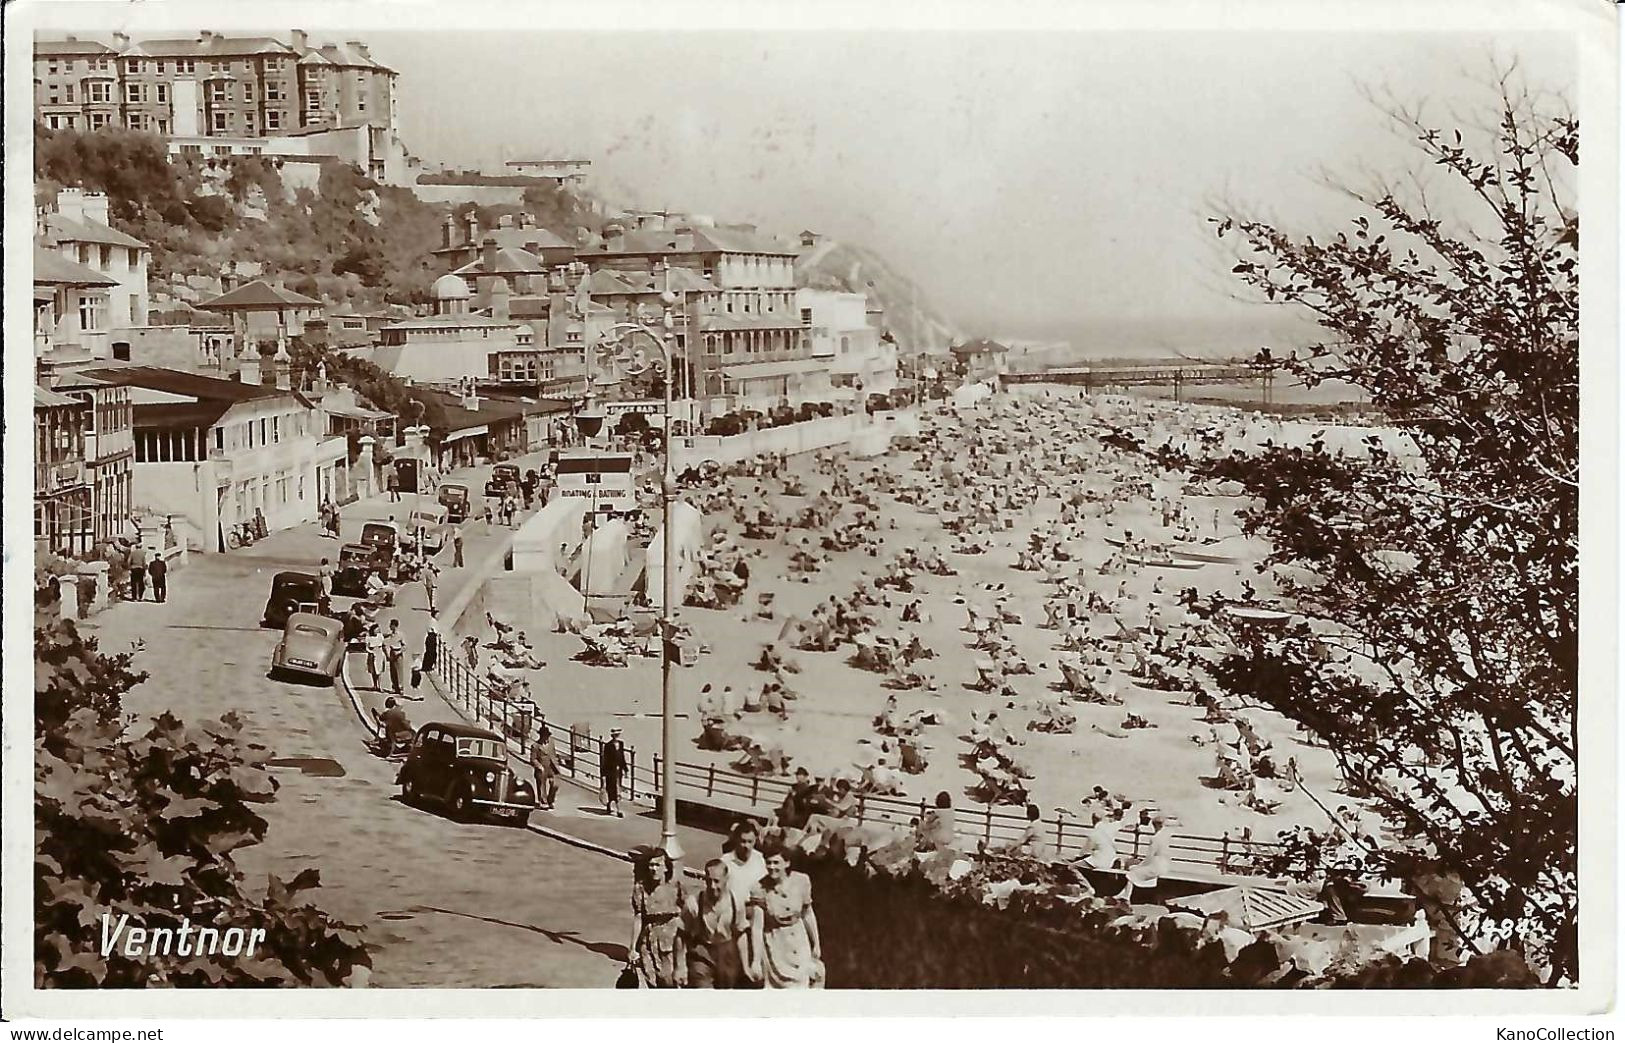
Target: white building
452	345
76	227
214	452
860	362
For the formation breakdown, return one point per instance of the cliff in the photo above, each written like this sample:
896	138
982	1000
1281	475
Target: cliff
910	317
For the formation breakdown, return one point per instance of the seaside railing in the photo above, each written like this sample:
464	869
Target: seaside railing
579	753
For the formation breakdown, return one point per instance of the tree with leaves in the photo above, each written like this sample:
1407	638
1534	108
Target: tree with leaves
146	825
1435	575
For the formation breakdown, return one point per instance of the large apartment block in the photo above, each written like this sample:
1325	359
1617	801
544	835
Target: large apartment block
213	86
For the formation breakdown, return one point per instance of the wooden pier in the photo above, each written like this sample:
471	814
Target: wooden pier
1179	377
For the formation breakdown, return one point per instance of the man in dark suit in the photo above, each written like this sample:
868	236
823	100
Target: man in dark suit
612	769
158	570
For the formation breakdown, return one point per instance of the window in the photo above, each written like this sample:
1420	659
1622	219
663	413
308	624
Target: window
163	127
185	65
160	93
248	92
52	68
220	439
101	65
217	66
263	432
218	93
273	91
100	93
98	120
106	254
121	351
52	97
133	66
136	317
313	101
248	124
67	92
806	316
135	93
219	122
160	67
90	314
276	429
132	258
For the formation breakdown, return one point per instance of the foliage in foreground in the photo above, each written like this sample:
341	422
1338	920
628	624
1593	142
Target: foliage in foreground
146	826
1438	582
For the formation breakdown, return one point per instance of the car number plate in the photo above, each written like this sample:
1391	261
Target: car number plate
507	812
301	662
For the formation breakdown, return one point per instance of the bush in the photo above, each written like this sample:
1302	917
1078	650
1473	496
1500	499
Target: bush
148	827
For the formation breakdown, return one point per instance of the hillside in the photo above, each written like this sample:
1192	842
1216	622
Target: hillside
909	316
332	232
337	235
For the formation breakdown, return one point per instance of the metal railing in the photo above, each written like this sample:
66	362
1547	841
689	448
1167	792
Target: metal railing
579	752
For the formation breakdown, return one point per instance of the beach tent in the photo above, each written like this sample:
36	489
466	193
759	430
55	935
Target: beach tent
536	544
971	395
687	525
604	559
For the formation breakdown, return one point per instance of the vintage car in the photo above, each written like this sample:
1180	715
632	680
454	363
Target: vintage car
291	592
504	479
311	646
384	537
356	562
454	498
432	522
464	769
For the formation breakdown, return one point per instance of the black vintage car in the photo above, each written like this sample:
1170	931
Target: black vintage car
504	480
454	498
356	562
290	592
464	769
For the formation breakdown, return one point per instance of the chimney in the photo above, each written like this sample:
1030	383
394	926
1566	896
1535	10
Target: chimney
121	41
282	374
488	255
205	37
357	46
471	223
499	300
70	203
299	40
448	232
505	221
471	398
249	373
94	207
525	220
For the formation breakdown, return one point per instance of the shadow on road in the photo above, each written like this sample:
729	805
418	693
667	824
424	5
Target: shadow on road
608	950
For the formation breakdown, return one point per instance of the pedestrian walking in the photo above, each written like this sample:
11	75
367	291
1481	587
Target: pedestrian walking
656	951
395	653
374	644
324	580
430	575
158	570
392	483
611	770
488	516
457	548
432	640
544	761
137	562
715	932
785	951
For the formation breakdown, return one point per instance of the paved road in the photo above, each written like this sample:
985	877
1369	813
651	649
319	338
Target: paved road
446	905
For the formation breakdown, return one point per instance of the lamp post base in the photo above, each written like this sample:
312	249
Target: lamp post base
670	845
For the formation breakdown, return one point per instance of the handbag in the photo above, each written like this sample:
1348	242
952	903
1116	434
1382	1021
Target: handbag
628	979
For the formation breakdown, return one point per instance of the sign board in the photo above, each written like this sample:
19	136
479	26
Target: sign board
604	478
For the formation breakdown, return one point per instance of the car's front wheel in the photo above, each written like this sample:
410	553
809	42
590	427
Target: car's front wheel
409	790
461	806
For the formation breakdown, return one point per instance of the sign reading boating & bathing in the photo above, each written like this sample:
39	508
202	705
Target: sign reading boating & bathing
605	478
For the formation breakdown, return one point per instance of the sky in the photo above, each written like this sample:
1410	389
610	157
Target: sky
1032	184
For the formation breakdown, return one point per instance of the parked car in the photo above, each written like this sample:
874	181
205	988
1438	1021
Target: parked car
312	646
454	498
356	562
464	769
504	479
433	523
291	592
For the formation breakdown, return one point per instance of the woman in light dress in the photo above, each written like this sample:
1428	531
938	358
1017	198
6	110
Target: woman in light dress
785	952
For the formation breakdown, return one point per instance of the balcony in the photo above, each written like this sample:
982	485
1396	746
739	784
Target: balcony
65	474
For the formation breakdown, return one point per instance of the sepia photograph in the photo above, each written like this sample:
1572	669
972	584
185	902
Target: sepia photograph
526	501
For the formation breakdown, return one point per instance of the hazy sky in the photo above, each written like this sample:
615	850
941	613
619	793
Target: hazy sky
1028	182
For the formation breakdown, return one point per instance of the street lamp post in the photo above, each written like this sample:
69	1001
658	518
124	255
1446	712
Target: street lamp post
618	351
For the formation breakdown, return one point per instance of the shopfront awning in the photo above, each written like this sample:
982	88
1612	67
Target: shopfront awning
469	432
